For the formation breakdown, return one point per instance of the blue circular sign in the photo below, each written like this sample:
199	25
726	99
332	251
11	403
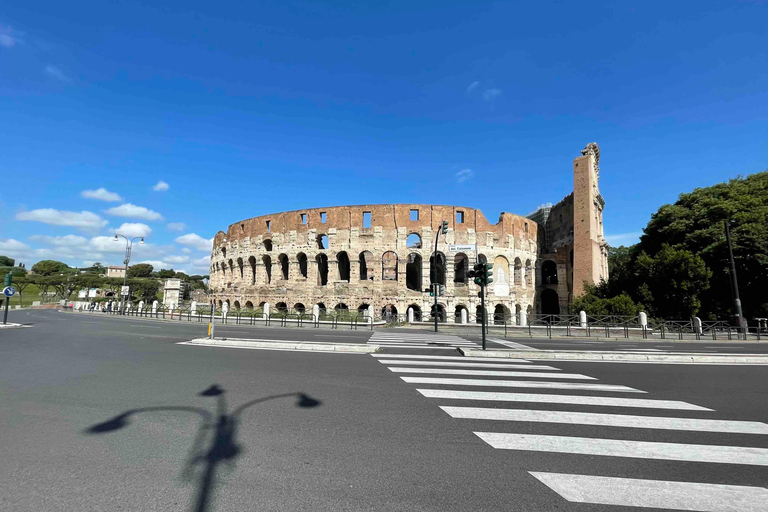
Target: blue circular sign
9	291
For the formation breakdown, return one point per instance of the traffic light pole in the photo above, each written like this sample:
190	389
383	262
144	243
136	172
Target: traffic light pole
435	287
482	305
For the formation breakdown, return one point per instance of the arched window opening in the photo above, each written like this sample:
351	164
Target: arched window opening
281	307
528	273
413	272
461	315
389	313
438	310
299	308
231	268
322	269
302	259
518	272
437	268
283	260
268	245
362	309
549	272
249	305
479	314
389	266
341	309
501	314
267	267
252	264
518	314
550	302
228	303
343	262
460	268
416	312
224	252
237	304
322	241
366	259
413	241
482	259
240	266
221	304
322	311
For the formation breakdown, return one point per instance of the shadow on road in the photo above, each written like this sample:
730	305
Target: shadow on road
216	439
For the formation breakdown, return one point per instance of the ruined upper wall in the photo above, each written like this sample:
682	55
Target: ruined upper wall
385	216
560	224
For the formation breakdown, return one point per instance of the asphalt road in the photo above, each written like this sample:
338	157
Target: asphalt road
104	413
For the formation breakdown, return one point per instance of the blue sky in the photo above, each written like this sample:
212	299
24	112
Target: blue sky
247	108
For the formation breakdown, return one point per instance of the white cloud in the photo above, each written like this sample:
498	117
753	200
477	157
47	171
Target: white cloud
101	194
10	245
137	212
196	241
56	73
473	86
62	241
491	94
623	238
464	174
9	37
203	263
161	186
177	259
132	229
107	244
157	264
176	226
186	250
83	220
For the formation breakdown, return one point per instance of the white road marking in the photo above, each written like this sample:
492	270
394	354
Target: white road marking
267	348
414	344
451	358
435	347
631	449
630	492
512	344
520	384
608	420
560	399
491	373
478	364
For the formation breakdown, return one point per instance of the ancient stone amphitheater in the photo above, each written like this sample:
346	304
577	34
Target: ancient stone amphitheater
378	259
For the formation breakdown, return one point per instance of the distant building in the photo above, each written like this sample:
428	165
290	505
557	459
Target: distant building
115	271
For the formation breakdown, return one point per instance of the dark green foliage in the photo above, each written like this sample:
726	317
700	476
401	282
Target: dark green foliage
140	270
597	301
5	261
144	289
49	267
16	271
166	274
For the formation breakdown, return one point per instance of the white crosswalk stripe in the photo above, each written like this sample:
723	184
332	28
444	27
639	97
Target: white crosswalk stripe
410	340
576	488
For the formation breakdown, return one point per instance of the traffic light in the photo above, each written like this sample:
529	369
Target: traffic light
488	274
483	273
444	227
440	290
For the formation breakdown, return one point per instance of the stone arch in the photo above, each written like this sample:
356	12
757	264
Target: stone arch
439	310
481	258
362	309
413	241
281	307
221	304
437	268
501	314
413	268
460	268
341	308
342	260
237	304
322	241
302	260
252	264
248	305
365	260
267	244
549	272
416	312
228	303
224	252
231	268
518	314
458	315
389	266
518	272
240	266
284	266
322	310
267	267
322	269
550	302
528	273
299	307
389	312
479	314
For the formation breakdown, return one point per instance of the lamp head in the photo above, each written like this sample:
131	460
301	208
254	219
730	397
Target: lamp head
115	239
142	241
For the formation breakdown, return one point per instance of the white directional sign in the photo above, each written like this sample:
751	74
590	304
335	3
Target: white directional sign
461	248
9	291
124	290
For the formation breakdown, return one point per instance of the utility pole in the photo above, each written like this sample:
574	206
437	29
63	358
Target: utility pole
734	280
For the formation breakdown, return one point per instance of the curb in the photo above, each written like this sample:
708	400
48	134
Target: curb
288	345
619	356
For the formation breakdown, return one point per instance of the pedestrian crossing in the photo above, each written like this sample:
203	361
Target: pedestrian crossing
548	395
417	340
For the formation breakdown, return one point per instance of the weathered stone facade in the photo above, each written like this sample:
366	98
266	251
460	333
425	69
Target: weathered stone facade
377	258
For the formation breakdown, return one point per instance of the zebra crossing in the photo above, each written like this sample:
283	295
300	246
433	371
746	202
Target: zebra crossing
457	385
417	340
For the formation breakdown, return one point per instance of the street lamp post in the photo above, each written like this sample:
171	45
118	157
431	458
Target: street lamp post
128	247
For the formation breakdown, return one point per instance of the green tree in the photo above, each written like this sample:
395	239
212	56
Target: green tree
5	261
49	267
144	289
16	271
21	284
596	301
166	274
140	270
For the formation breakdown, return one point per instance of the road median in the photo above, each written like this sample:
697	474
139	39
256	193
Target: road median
354	348
616	356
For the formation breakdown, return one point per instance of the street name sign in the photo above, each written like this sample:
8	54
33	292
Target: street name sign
461	248
9	291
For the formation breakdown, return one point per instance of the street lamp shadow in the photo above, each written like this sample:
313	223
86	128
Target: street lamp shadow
209	450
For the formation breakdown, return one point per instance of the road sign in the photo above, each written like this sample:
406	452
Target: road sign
9	291
124	290
461	248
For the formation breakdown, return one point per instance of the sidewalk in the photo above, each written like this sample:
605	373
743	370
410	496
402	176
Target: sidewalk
619	356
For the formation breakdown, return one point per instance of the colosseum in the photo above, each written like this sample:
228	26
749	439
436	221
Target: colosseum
379	260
